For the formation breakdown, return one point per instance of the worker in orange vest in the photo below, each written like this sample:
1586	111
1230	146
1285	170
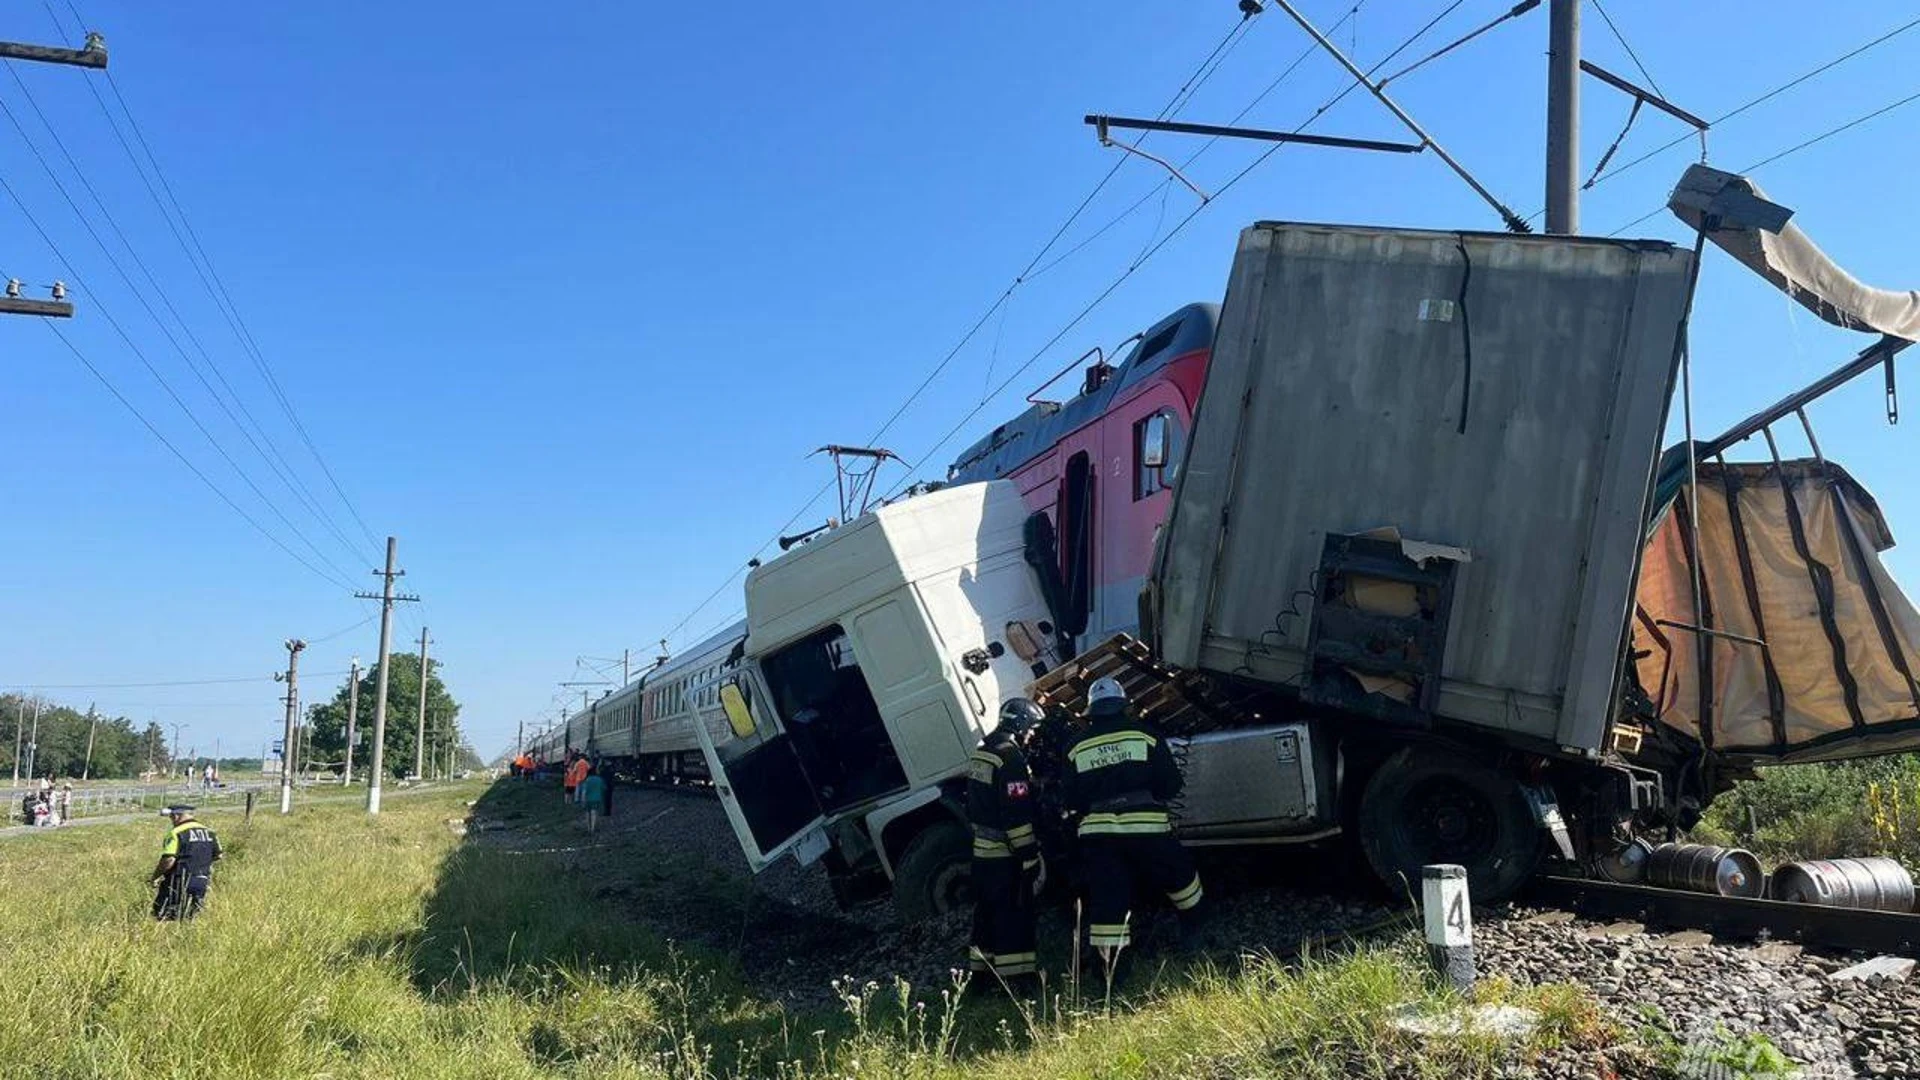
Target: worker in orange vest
576	772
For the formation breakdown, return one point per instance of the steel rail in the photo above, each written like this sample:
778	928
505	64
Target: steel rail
1888	932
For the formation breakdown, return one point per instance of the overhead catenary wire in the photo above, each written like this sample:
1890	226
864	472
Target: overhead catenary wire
1791	150
277	467
1162	186
1614	29
1763	98
1151	252
1113	286
1202	72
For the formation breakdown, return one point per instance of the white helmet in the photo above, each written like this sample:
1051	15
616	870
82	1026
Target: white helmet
1104	688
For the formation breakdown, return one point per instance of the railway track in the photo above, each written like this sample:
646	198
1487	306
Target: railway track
1656	908
1886	932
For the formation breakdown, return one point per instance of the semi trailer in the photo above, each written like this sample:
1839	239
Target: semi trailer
1426	582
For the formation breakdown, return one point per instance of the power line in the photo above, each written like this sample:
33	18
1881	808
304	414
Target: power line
298	489
216	287
107	314
152	685
184	460
343	630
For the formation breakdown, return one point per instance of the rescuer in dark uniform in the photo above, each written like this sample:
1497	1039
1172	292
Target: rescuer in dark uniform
1120	777
186	866
1006	854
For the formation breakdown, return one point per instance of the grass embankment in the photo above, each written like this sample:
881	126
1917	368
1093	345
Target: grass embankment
338	946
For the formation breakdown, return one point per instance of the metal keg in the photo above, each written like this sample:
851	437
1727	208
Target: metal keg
1880	884
1628	865
1707	869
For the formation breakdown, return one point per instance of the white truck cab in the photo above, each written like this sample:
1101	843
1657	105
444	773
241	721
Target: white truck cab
876	659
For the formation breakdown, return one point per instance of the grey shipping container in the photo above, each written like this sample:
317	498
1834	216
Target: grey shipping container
1486	403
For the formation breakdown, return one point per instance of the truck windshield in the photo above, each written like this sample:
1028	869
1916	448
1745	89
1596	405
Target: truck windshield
831	716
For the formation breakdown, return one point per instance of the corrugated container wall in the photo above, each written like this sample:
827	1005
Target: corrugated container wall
1500	394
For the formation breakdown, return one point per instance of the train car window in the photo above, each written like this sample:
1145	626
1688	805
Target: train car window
1156	453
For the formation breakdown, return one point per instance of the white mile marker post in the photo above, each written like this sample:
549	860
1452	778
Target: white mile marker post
1448	913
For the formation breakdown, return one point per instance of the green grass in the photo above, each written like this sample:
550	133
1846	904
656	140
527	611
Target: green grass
1826	810
336	946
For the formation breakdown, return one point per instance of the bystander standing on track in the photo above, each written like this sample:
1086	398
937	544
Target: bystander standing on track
606	788
592	792
577	769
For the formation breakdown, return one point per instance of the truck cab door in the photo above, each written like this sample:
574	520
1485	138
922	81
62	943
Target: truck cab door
757	773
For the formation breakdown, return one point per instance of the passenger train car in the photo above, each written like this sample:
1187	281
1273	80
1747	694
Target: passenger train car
646	728
1101	468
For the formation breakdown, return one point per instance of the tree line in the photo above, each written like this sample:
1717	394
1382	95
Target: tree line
69	743
327	722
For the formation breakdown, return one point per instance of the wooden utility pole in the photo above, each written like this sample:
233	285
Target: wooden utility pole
289	746
420	727
93	724
19	733
33	741
1563	116
386	598
353	712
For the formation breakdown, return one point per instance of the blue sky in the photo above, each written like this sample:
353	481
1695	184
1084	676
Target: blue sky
565	301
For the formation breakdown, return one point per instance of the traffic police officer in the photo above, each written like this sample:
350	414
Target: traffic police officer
1006	854
1120	777
186	866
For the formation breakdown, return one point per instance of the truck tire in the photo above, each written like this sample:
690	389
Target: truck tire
931	878
1428	806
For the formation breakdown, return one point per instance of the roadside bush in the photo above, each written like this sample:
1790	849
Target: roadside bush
1826	810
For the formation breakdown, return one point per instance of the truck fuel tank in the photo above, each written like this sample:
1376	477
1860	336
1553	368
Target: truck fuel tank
1251	783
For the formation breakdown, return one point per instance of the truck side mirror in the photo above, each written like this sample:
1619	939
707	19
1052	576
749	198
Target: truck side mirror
1153	442
739	717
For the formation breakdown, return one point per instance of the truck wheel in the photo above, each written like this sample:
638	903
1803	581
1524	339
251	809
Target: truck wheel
931	878
1426	806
